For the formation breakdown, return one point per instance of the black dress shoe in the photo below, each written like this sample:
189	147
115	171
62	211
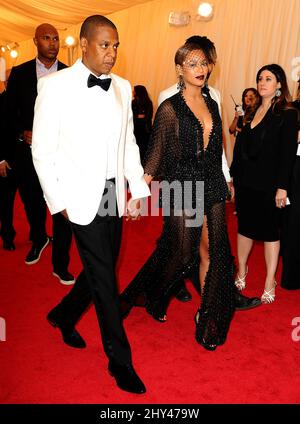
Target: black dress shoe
70	336
35	252
126	377
243	303
64	277
184	295
9	245
160	317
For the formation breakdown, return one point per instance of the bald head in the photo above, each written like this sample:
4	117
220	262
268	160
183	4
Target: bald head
46	40
44	29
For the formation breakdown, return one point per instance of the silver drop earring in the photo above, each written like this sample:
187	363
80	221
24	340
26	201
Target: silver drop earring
277	92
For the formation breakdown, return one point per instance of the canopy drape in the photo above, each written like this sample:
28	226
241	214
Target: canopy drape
247	34
18	18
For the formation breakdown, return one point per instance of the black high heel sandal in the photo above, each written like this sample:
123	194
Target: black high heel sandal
207	345
202	342
156	316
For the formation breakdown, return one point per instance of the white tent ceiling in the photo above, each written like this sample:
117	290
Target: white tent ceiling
19	18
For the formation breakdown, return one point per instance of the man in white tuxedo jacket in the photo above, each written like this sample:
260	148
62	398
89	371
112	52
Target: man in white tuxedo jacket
84	150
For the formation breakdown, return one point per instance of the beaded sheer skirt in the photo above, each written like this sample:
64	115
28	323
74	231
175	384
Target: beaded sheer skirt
176	153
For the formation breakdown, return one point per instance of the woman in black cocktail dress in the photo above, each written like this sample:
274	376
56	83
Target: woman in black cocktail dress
263	159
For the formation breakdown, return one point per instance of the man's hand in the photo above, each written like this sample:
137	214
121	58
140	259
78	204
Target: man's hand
133	210
27	137
65	214
4	167
231	190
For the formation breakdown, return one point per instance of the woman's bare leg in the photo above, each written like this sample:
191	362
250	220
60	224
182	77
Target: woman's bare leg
203	252
244	246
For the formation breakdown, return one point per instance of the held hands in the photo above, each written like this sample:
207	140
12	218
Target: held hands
65	214
4	167
133	210
280	198
230	190
27	137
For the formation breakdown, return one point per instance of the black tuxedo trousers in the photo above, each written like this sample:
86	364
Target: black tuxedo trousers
8	188
98	245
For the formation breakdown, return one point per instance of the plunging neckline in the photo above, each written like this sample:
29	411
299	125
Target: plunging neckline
210	133
260	120
198	120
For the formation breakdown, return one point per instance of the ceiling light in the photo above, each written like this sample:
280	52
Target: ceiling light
205	12
70	41
14	53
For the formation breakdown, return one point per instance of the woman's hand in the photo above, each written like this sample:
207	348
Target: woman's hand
230	190
133	210
28	137
65	214
280	198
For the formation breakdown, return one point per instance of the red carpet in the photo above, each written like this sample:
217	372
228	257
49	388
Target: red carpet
258	364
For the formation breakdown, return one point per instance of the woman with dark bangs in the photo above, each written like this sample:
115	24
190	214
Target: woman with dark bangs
250	101
262	166
142	109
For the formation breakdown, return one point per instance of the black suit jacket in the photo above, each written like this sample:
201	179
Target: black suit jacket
20	95
269	164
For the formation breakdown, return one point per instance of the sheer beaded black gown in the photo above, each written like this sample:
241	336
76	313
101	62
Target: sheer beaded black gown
176	153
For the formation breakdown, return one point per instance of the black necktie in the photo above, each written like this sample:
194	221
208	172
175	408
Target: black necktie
103	83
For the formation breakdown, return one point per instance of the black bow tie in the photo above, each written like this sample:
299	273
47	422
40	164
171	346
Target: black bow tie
103	83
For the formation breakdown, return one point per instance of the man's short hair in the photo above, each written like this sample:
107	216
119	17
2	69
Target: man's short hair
90	23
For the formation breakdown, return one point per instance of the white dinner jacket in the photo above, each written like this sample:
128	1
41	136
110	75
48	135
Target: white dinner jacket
215	94
67	152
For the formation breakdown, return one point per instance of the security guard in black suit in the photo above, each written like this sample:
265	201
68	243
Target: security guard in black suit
21	95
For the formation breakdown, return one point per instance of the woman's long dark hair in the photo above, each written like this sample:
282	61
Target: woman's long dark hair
254	91
141	96
283	101
250	110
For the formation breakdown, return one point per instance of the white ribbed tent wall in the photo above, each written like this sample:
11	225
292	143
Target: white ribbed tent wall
247	35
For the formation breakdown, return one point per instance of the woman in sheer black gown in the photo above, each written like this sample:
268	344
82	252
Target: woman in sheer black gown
186	146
